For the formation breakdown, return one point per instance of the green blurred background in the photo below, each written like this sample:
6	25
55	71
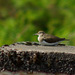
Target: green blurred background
20	19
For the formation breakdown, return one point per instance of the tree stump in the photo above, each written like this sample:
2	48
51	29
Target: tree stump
31	57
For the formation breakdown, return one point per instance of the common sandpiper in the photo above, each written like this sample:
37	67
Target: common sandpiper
47	39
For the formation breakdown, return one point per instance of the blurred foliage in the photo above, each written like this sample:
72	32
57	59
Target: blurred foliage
20	19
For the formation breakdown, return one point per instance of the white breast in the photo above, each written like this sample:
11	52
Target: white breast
39	38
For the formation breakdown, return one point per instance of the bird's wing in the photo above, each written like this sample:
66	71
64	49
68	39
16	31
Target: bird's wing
52	39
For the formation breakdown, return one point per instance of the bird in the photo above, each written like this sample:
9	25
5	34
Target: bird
48	40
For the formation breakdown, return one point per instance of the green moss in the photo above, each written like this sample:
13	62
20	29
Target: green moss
19	20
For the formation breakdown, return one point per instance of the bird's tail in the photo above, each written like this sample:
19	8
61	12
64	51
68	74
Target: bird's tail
67	39
64	39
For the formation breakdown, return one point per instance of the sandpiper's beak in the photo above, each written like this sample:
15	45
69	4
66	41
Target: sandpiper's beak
36	34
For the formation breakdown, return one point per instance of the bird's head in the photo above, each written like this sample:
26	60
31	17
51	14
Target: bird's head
40	33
